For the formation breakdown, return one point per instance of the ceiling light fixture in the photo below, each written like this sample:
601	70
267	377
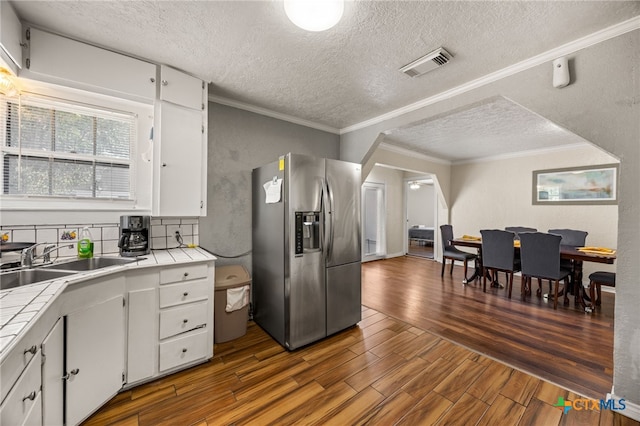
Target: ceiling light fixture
414	185
314	15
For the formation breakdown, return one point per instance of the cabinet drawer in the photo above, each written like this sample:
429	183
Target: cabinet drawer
183	318
25	393
183	349
177	294
183	273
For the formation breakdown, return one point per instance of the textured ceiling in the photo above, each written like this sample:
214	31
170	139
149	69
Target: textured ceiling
481	131
251	53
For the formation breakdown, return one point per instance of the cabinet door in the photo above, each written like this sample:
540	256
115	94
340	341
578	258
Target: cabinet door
180	88
142	334
180	162
52	372
10	37
25	394
95	357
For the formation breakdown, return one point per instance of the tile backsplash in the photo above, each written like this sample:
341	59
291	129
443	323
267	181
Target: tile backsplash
105	235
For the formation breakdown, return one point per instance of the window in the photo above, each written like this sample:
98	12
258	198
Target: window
53	148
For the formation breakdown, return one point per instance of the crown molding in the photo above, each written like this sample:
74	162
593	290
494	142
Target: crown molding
565	49
527	153
272	114
413	154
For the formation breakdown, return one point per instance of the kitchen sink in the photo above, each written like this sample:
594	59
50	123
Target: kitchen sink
89	264
29	276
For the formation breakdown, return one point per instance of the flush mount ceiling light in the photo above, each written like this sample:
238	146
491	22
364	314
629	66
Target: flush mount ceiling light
314	15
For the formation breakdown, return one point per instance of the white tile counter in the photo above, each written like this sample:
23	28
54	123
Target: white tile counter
21	306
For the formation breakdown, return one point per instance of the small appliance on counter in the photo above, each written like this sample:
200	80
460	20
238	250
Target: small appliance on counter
135	235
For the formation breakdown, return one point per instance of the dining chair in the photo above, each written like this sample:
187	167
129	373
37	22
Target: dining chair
574	238
498	254
540	257
597	279
451	252
518	229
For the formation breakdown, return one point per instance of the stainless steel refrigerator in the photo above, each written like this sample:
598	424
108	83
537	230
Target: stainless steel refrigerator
306	248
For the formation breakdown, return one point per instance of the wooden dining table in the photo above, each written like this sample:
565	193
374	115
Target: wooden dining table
566	252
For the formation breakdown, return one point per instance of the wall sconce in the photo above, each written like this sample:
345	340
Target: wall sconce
314	15
7	84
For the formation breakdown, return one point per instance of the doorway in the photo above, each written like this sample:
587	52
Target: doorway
373	221
420	216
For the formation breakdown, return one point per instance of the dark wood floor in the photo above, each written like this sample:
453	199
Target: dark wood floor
399	365
564	346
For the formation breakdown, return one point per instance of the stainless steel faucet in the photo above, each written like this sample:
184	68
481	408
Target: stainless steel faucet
29	255
46	253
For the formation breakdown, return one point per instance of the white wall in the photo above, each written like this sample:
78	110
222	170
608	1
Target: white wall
394	208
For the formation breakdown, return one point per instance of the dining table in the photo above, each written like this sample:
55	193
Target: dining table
577	254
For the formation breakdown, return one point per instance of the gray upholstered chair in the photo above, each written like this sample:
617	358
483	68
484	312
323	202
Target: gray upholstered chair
518	229
540	257
571	237
498	254
596	280
574	238
451	252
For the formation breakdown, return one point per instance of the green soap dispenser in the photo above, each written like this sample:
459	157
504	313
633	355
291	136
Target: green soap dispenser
85	244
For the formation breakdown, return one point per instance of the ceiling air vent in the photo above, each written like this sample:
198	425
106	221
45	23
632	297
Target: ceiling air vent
428	62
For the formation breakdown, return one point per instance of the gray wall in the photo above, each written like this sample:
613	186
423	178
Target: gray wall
240	141
601	105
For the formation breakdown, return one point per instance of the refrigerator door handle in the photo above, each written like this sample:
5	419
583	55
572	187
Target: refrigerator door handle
327	202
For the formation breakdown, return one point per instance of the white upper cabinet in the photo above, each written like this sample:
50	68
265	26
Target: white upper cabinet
72	63
10	37
180	146
181	89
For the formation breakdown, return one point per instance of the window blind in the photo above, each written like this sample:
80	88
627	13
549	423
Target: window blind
54	148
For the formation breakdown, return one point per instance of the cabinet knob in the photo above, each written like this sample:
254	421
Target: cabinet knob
185	321
153	80
30	397
71	373
164	164
164	82
186	274
184	350
185	294
32	350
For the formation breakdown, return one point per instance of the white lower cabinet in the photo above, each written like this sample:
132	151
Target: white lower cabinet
186	315
94	357
99	344
52	372
142	353
23	402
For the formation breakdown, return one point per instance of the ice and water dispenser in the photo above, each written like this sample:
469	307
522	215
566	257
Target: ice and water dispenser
307	232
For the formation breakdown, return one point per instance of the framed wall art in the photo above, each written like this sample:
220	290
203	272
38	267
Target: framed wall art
576	185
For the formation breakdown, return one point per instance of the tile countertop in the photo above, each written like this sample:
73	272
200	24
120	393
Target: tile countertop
20	306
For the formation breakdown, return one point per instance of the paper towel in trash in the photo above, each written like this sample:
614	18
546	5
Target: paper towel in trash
237	298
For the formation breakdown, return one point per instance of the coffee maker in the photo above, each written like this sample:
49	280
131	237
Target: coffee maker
135	235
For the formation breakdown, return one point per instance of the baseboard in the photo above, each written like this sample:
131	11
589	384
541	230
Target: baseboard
632	410
397	254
